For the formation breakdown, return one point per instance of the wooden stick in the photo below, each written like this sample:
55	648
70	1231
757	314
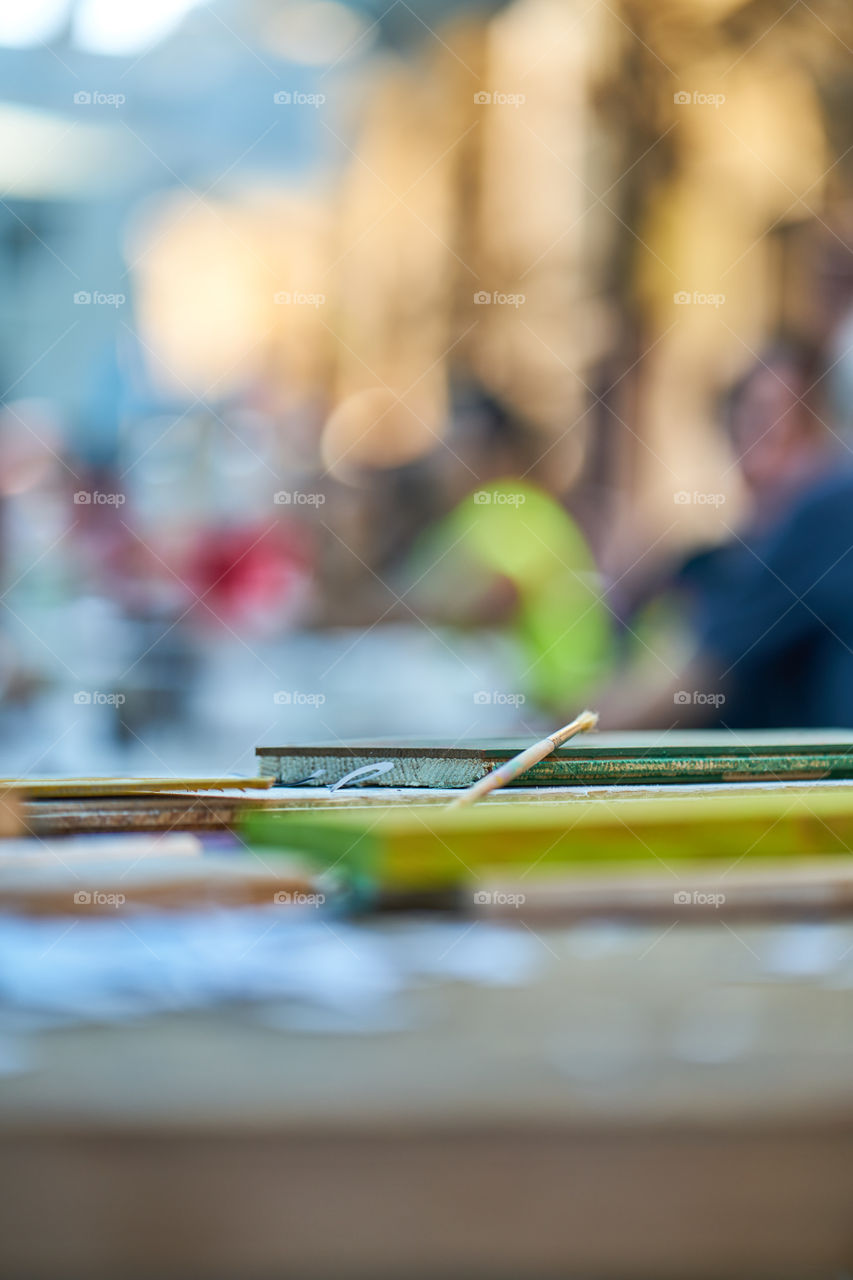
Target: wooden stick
525	760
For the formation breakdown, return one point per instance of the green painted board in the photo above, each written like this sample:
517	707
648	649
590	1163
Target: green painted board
603	759
427	847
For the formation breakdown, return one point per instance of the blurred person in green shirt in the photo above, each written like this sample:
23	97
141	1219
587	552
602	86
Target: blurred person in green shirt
509	555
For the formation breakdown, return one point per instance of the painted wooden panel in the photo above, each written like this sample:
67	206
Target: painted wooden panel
605	759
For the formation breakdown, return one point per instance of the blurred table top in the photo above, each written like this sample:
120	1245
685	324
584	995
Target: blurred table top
658	1099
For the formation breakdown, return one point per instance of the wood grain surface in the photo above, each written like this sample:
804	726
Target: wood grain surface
653	1104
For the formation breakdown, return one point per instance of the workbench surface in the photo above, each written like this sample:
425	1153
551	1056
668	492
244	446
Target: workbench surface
649	1100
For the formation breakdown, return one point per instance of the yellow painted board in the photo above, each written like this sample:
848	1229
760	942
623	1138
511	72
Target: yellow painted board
424	846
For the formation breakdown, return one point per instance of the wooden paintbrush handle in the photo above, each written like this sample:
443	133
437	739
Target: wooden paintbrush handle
525	760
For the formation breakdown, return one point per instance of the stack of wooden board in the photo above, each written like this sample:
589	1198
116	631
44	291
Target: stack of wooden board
60	806
127	845
596	759
160	811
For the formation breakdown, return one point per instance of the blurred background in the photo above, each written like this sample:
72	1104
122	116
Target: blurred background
356	356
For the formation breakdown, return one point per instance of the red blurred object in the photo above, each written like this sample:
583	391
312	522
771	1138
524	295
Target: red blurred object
249	576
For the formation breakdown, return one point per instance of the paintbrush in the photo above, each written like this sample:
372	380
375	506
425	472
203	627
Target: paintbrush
525	759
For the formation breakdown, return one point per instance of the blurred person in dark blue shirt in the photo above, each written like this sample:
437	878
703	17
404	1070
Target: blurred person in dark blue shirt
771	610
